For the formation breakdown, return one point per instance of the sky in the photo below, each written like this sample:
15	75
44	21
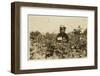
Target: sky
51	24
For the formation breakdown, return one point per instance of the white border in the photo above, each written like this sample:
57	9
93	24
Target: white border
39	64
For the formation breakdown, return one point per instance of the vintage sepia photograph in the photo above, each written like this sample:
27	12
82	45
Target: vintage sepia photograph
53	37
57	37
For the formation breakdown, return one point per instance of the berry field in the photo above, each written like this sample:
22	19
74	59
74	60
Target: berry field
45	46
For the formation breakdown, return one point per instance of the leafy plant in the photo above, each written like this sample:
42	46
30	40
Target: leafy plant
45	46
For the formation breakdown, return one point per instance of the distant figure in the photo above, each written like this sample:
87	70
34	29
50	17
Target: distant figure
62	36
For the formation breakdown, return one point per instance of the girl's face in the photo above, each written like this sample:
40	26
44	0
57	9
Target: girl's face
62	30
